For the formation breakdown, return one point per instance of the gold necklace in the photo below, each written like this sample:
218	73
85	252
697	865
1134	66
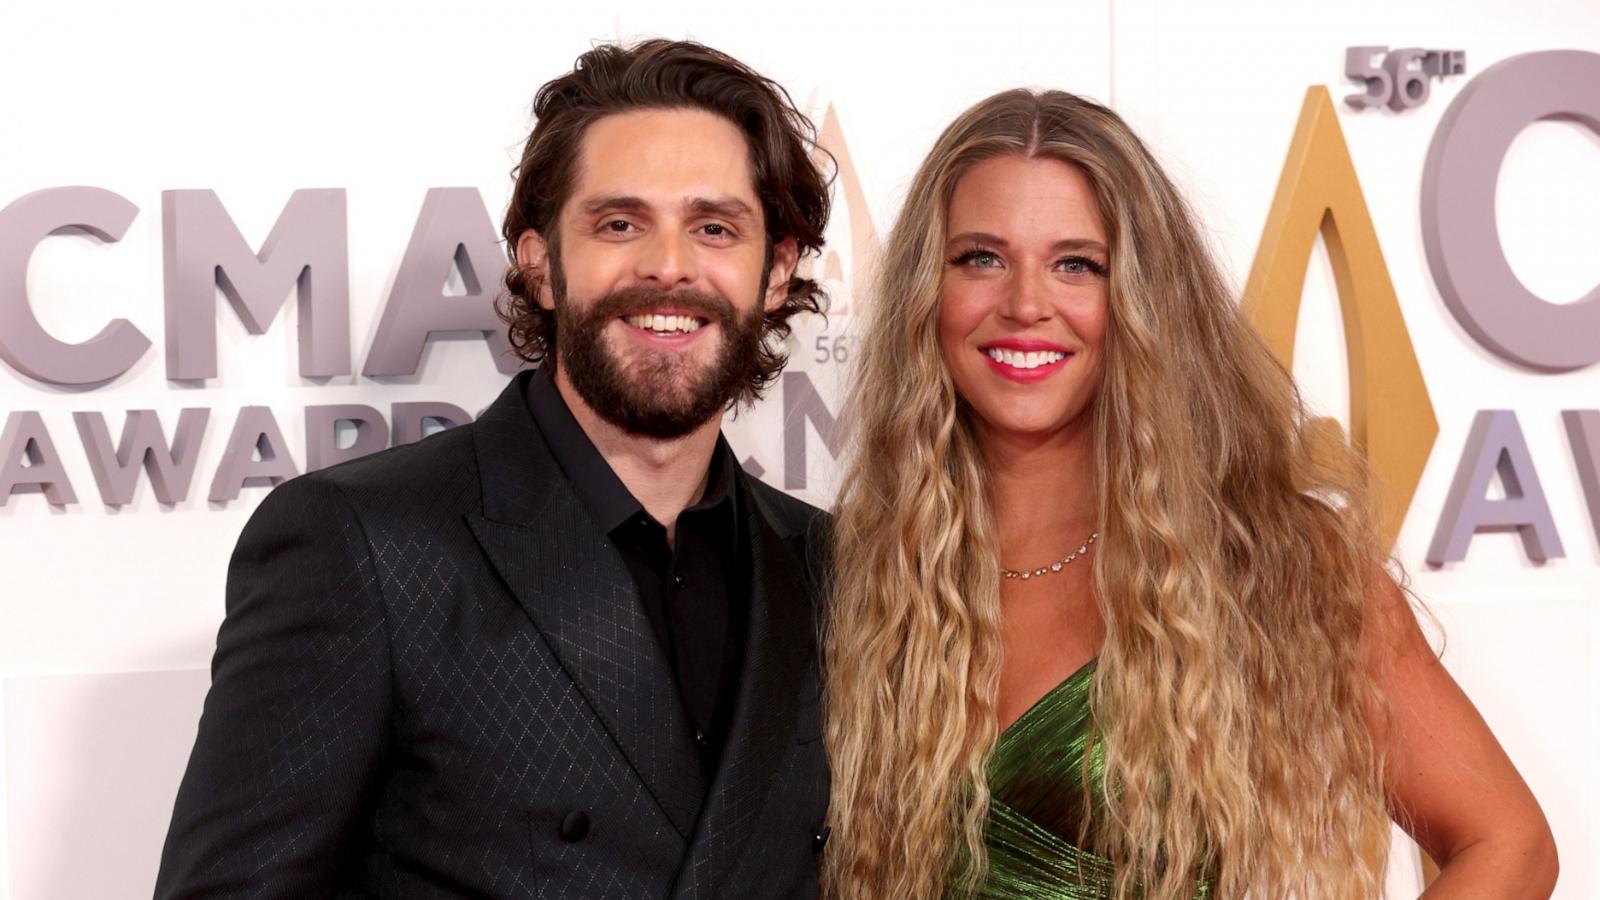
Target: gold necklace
1056	566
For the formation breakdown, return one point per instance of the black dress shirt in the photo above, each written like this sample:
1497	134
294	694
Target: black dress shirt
695	590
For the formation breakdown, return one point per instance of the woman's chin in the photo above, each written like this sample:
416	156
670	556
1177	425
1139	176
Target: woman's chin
1032	427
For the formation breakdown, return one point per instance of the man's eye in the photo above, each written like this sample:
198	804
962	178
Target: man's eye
715	229
619	226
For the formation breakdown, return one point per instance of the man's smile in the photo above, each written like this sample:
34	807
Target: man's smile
665	324
665	331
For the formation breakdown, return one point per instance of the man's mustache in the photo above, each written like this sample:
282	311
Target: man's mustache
646	301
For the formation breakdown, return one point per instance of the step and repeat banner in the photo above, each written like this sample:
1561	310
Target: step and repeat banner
238	244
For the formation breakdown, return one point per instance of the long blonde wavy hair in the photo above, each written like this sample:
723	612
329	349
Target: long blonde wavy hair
1231	696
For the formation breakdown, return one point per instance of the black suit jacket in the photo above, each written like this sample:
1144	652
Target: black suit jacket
435	672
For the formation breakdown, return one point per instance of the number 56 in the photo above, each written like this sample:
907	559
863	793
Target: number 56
1402	79
831	348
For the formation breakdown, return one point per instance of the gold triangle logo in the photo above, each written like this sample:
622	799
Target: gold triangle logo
863	234
1391	417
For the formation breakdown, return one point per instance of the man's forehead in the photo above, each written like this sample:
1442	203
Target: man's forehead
666	159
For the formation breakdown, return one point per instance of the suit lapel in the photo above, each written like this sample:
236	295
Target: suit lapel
779	645
581	598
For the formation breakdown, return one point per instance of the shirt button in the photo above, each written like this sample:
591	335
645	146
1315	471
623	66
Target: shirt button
677	580
574	826
700	738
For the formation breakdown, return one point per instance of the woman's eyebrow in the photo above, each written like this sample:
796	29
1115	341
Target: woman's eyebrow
1079	244
978	237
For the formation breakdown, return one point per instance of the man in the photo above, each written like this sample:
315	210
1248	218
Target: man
567	650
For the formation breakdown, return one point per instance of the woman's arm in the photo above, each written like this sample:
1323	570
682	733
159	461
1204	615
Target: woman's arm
1450	784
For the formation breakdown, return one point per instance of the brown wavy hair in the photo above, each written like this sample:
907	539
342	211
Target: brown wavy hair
1231	695
659	74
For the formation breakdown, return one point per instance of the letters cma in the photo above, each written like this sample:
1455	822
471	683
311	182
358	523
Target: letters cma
307	251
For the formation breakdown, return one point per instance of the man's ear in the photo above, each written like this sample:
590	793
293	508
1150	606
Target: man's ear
785	257
533	256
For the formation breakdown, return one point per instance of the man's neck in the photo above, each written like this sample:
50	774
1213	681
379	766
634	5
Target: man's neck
665	476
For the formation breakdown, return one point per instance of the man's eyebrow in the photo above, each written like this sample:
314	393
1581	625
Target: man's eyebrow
619	203
727	207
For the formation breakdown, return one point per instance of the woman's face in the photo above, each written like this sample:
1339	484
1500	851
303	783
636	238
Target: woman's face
1023	306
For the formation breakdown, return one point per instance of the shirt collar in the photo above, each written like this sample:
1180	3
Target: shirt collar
594	481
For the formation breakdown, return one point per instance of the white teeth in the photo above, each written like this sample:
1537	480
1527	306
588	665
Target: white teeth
1019	360
664	324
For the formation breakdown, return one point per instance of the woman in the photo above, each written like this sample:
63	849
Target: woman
1107	620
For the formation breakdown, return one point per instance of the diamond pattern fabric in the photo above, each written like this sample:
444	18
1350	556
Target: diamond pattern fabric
431	659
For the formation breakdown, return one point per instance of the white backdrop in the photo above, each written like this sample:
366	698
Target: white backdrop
108	615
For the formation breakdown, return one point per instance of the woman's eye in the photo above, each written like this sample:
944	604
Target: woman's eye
1078	265
978	259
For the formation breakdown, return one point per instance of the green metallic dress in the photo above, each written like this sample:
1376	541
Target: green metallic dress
1036	808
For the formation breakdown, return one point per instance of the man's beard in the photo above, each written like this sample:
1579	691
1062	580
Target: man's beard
659	394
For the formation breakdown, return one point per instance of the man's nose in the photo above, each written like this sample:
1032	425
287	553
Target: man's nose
668	260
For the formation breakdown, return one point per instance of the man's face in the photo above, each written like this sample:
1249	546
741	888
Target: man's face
662	258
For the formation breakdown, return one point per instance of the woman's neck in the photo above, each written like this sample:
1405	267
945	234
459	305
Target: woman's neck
1043	489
